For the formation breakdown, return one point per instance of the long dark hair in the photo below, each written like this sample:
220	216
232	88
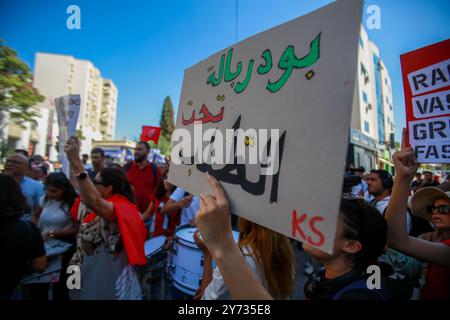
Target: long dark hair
117	179
363	223
12	202
58	180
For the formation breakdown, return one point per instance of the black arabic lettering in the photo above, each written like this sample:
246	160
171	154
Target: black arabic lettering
255	188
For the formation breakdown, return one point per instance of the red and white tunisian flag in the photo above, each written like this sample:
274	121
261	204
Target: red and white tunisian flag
150	133
426	80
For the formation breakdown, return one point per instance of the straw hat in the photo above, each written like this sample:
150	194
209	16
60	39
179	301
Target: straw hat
425	197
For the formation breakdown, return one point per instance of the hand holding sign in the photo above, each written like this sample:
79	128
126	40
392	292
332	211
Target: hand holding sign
213	219
405	161
72	150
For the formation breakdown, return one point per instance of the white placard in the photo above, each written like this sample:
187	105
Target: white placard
296	79
67	111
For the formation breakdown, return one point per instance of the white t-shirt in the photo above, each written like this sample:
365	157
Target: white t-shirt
189	213
55	216
217	289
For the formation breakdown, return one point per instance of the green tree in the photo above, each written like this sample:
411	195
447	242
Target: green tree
17	95
167	126
167	123
164	145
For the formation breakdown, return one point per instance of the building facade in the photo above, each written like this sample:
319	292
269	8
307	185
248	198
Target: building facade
59	75
371	142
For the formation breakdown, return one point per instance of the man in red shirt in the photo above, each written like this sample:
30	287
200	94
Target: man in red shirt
142	175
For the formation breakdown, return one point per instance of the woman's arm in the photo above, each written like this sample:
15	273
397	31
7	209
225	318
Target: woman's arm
73	180
406	166
214	222
89	193
66	233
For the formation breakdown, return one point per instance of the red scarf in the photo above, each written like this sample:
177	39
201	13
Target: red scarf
132	229
131	226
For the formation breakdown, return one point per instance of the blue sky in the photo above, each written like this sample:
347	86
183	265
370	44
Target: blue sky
144	46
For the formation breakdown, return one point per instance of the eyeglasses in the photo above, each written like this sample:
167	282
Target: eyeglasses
443	209
97	183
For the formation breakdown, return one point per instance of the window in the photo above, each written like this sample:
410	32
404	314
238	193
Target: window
366	127
361	42
379	99
388	120
363	70
387	99
385	81
365	97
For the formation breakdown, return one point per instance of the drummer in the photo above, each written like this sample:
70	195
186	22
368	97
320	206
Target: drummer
184	201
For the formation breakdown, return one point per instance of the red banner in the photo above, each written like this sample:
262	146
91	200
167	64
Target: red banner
426	82
150	133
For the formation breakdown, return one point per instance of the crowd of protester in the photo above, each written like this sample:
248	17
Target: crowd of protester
107	212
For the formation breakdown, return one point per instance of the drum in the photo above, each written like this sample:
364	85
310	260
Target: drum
186	264
156	255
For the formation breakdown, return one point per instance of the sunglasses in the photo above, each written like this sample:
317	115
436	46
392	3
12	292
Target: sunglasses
443	209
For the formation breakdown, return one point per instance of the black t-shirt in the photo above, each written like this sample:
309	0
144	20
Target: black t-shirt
20	242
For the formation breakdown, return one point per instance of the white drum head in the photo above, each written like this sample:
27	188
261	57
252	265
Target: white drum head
153	245
186	234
